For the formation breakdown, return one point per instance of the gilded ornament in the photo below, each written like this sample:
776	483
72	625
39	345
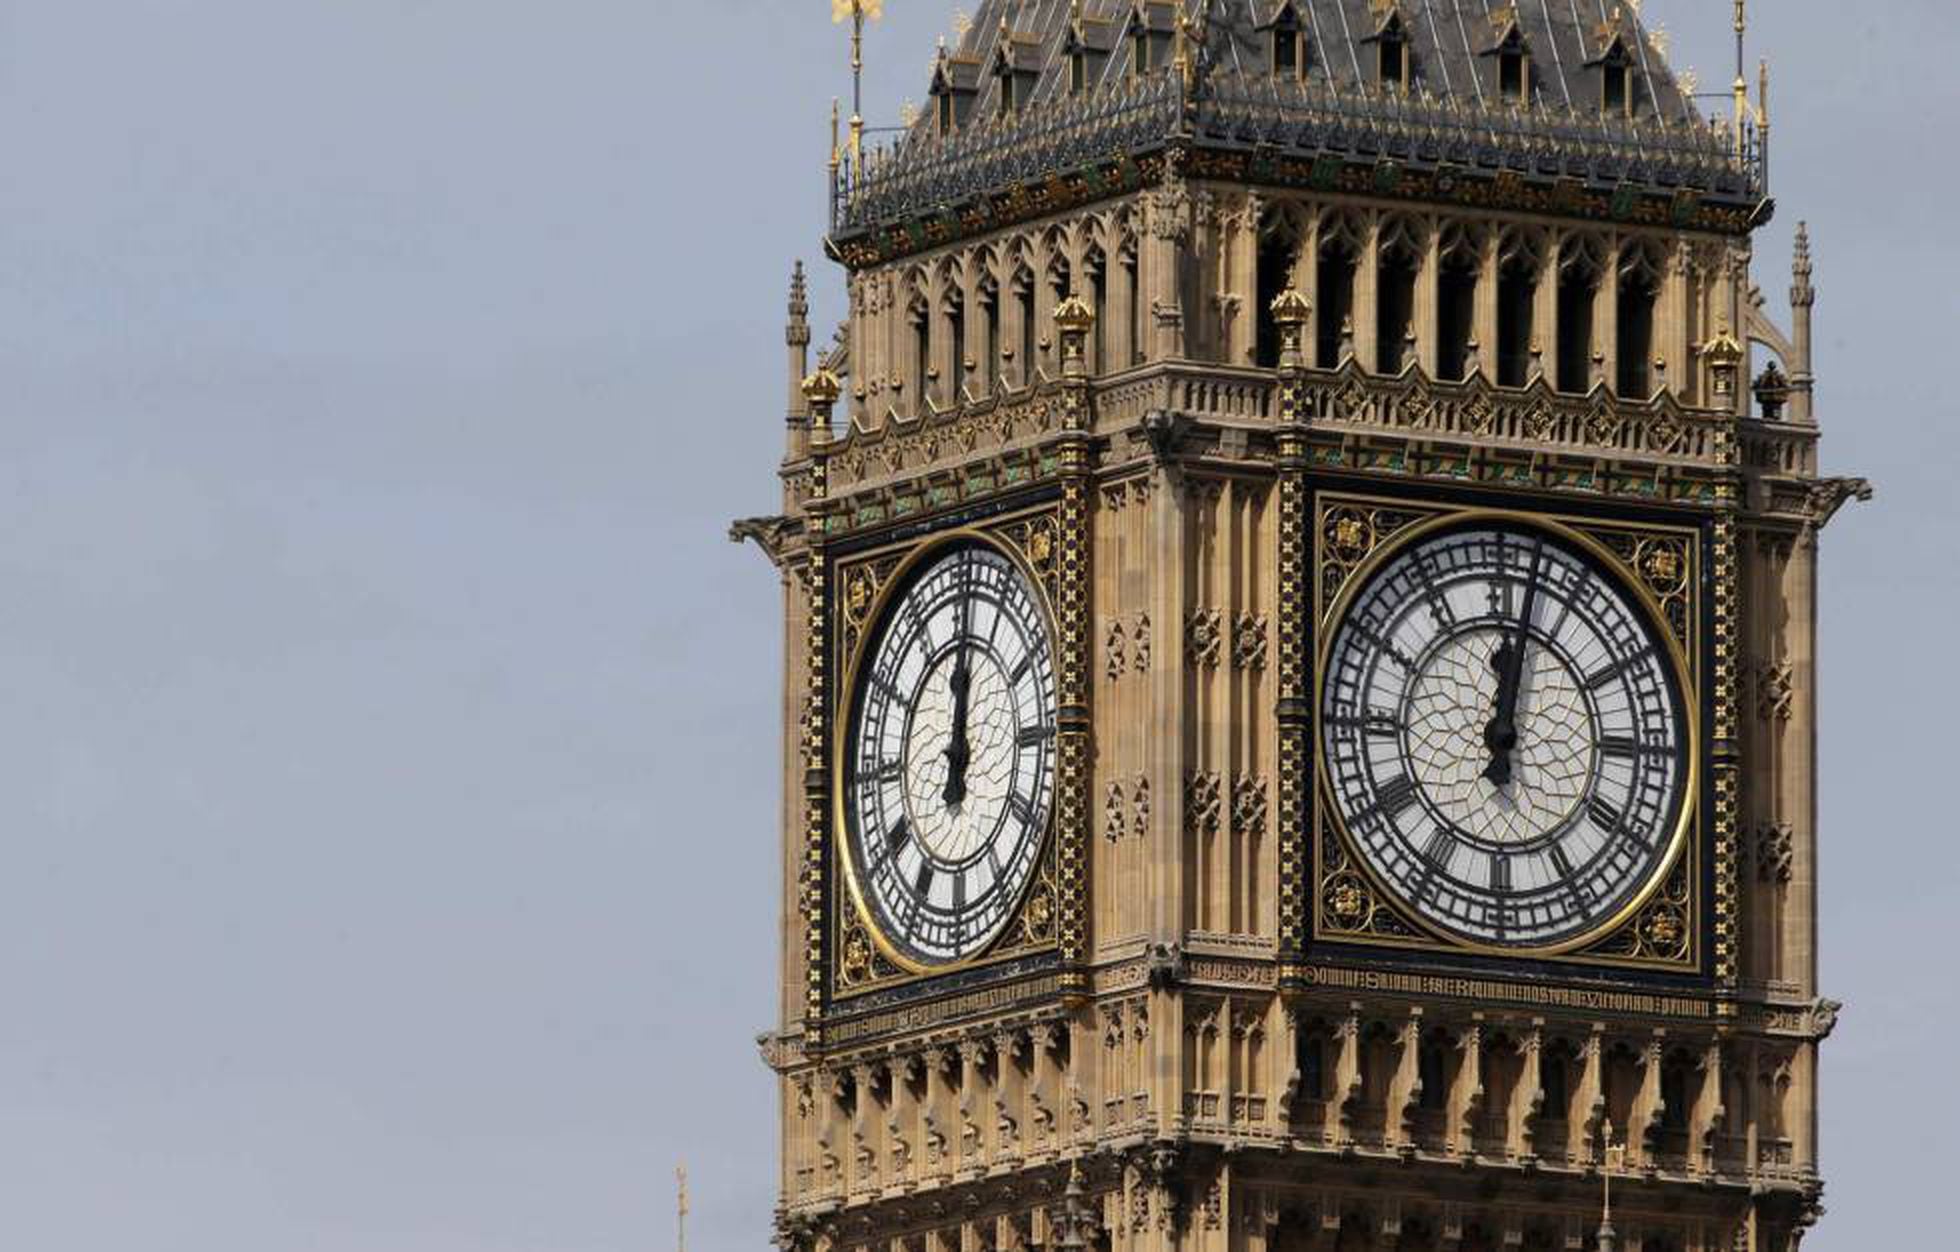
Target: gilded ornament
1479	416
858	594
1348	902
1041	546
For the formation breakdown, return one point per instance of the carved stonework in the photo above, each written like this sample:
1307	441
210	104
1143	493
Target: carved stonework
1201	803
1249	806
1774	852
1249	633
1201	638
1776	691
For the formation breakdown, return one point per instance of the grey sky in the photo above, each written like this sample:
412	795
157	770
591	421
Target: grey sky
387	778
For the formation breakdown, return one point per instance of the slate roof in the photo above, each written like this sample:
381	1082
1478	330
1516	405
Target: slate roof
1451	121
1448	43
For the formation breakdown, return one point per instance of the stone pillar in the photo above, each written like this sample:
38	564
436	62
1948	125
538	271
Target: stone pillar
1428	304
1483	319
1544	314
1606	318
1367	295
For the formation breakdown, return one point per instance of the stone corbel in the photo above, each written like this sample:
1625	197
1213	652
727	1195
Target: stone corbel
1708	1113
1528	1098
1405	1088
1590	1100
1344	1094
1645	1118
1467	1099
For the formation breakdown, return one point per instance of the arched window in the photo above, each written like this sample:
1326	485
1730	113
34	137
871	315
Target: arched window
1279	252
1580	271
1640	282
1335	282
1139	50
1519	258
1456	301
1398	257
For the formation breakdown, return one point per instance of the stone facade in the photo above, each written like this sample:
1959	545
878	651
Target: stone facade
1143	398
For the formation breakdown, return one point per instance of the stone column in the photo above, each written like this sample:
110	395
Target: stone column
1428	305
1367	295
1483	319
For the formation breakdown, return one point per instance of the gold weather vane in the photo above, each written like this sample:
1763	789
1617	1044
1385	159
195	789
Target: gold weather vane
680	1177
858	12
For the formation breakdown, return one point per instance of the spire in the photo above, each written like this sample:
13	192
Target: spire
1803	299
1741	74
1802	294
799	306
1070	1237
797	335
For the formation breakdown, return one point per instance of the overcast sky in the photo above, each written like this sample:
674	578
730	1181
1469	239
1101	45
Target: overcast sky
388	757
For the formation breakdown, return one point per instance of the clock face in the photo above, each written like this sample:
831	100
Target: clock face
1504	736
950	772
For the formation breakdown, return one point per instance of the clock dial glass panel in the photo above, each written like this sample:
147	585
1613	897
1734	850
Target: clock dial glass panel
1504	735
950	775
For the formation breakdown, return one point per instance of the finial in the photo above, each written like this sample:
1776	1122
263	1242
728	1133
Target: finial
1070	1238
836	120
821	389
1724	354
1762	93
799	306
1290	312
1801	291
1074	319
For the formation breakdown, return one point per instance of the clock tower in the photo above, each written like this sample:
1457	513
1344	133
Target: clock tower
1300	576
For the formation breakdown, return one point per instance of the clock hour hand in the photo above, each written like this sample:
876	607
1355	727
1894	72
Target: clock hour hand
958	753
1501	733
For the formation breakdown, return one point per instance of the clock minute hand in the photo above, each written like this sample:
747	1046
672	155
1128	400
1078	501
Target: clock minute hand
1501	735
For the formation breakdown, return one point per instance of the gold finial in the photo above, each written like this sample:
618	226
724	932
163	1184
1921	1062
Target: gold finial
821	389
836	120
1762	92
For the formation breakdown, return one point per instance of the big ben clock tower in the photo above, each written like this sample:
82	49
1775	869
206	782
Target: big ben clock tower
1299	578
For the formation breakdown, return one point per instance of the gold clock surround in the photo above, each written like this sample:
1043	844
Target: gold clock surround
865	958
1660	927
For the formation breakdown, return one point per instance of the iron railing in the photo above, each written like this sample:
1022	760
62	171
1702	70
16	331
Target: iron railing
925	173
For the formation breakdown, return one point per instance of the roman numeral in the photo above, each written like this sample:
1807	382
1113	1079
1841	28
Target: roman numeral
959	893
1604	815
1023	811
1560	861
1604	678
1440	850
1500	875
1618	745
1031	736
922	885
1395	796
898	836
1021	670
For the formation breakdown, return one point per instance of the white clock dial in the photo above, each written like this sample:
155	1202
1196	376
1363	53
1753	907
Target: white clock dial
949	781
1505	736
